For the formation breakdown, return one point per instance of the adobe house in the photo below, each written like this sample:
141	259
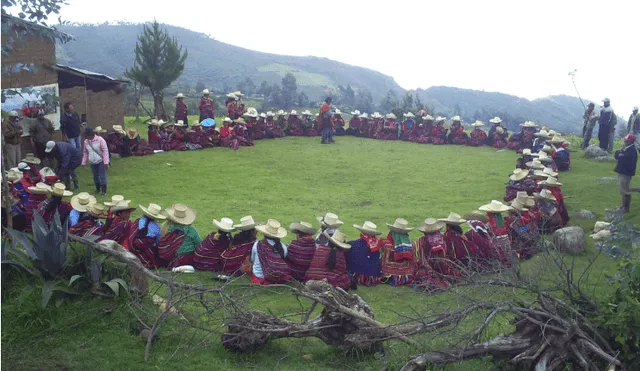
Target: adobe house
29	66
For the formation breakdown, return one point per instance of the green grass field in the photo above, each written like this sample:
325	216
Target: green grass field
289	179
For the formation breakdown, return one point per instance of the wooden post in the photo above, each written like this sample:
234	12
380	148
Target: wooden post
5	190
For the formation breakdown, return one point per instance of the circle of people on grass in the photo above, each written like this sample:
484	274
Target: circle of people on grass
497	235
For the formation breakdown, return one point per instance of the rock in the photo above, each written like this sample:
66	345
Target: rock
600	226
570	239
594	151
601	235
607	179
604	158
585	214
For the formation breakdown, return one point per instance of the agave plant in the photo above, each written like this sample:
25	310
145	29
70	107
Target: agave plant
100	285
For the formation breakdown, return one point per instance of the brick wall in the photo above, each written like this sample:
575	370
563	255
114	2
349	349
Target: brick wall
30	49
105	108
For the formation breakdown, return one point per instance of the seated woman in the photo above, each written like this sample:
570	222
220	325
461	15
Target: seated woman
439	133
36	195
177	246
338	123
549	219
208	256
293	124
138	146
552	184
515	141
235	256
80	221
519	180
424	130
541	139
268	264
301	250
354	124
430	256
500	137
145	235
560	154
365	125
523	230
547	160
329	223
457	134
479	234
117	227
407	126
48	208
176	136
389	130
153	135
329	262
269	125
397	263
279	126
117	141
232	104
363	259
242	136
259	127
97	215
529	130
31	174
307	124
460	251
198	137
376	125
478	136
499	227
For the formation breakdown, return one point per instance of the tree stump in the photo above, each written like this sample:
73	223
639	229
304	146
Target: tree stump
570	239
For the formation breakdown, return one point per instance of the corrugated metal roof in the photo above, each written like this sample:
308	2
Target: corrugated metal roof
62	67
62	36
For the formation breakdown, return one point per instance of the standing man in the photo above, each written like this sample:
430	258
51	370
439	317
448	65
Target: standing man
181	111
71	126
633	127
606	122
41	132
206	106
96	152
68	158
590	118
627	159
12	132
324	121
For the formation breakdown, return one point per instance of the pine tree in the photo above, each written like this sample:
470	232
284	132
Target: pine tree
289	92
159	62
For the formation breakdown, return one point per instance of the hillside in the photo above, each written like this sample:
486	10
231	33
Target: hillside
110	50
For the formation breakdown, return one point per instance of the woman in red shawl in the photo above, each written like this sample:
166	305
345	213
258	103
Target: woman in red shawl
430	252
456	132
176	247
479	233
37	194
181	112
425	129
269	125
500	230
460	251
439	133
235	256
329	261
478	137
553	185
79	218
293	125
307	125
519	181
241	135
48	208
117	227
259	127
389	129
549	216
397	264
363	259
280	125
338	123
139	146
301	250
268	265
31	175
175	138
208	256
529	130
365	124
153	135
232	104
354	124
145	234
523	230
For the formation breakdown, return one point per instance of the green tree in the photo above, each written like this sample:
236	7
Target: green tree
303	100
390	102
159	62
289	91
407	102
364	101
200	86
419	104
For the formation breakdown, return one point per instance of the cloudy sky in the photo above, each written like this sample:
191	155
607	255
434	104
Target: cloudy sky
515	47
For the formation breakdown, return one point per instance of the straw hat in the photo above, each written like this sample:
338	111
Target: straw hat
495	206
478	123
99	130
22	167
339	239
524	198
181	214
232	96
546	194
238	93
543	157
456	118
391	116
60	190
272	229
529	124
227	119
355	113
251	112
364	116
495	120
500	130
430	225
270	114
400	226
246	224
303	227
517	205
376	115
409	114
264	115
240	121
556	140
337	112
549	171
179	95
518	174
30	158
179	123
477	215
225	224
119	129
552	133
428	118
542	134
453	218
13	176
293	113
368	228
121	206
329	220
115	199
306	113
281	113
154	211
527	152
96	210
197	123
540	174
205	92
535	164
551	182
39	189
82	201
133	132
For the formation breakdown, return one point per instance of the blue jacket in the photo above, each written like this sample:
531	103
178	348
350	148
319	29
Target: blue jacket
70	124
68	158
627	160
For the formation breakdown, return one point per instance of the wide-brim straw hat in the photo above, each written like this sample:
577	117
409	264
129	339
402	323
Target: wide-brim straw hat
495	120
30	158
240	121
428	118
544	157
303	227
556	140
478	123
400	226
535	164
115	199
518	174
224	224
133	132
518	205
546	194
99	130
59	189
551	182
542	134
306	113
529	124
281	113
227	119
205	92
549	171
368	228
82	201
476	215
330	220
364	116
39	189
456	118
97	210
409	114
272	228
153	211
431	225
14	176
121	206
270	114
23	166
246	224
495	206
540	174
453	218
524	198
197	123
337	112
238	93
179	123
232	96
338	238
355	113
179	95
119	129
181	214
391	116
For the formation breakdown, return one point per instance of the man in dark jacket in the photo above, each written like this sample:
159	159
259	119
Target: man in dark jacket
606	124
68	158
627	159
633	126
70	126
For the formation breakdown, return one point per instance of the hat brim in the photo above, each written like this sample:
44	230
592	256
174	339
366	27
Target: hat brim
490	209
64	194
544	183
146	212
453	222
367	231
297	227
550	198
34	161
186	220
107	203
76	205
244	227
530	164
477	216
336	224
223	227
115	209
342	245
393	228
36	191
430	228
102	215
516	177
280	234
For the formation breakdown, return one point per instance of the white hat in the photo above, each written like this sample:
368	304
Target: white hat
49	146
179	123
368	228
453	218
293	113
205	92
456	118
179	95
238	94
430	225
227	119
60	190
154	211
338	238
391	116
232	96
496	120
606	100
495	206
364	116
246	223
337	112
306	113
440	118
355	113
535	164
13	114
546	194
272	229
281	113
478	123
30	158
409	114
304	227
330	220
519	174
428	118
225	224
22	166
82	201
181	214
551	182
263	115
39	189
115	199
542	134
529	124
400	226
635	108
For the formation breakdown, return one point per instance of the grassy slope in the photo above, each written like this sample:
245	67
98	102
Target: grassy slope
288	179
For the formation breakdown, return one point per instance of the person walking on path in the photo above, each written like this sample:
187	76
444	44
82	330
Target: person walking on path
12	132
68	158
590	118
324	120
627	159
71	126
96	152
41	132
633	126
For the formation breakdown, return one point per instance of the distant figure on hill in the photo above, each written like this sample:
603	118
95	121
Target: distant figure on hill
633	127
206	106
590	118
324	121
182	111
607	125
627	158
